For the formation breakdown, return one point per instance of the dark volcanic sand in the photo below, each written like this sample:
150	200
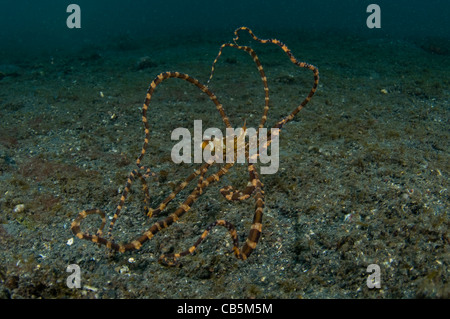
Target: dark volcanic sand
363	175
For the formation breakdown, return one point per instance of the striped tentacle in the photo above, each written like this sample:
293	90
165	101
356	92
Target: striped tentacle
251	241
261	73
136	244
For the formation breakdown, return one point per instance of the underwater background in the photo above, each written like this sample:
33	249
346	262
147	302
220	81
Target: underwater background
363	176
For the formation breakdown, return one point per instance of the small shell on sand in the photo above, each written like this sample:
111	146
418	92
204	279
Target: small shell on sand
19	208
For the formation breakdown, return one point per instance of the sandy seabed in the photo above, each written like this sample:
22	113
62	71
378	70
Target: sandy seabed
363	176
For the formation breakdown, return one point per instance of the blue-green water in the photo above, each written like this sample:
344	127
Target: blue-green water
27	27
